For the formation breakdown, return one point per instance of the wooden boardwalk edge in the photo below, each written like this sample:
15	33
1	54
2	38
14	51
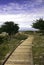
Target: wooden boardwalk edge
10	53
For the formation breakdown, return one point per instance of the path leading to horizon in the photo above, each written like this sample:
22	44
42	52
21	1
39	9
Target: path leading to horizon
23	54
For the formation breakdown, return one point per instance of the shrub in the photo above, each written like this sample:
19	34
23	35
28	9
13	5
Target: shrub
3	37
21	36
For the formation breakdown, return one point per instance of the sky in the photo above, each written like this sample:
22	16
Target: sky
22	12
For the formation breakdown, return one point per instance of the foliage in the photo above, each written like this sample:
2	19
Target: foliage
28	32
21	36
7	47
38	50
10	45
3	37
39	24
10	28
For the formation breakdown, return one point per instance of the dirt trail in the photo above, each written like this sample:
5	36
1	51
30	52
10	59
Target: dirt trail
23	54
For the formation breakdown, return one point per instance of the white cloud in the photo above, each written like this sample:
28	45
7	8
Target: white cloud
24	20
21	14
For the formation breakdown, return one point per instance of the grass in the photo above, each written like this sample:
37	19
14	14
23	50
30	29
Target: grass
29	32
9	45
21	36
38	50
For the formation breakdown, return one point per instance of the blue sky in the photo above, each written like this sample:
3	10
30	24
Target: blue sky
23	12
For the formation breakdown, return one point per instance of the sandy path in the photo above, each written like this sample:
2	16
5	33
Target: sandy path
23	54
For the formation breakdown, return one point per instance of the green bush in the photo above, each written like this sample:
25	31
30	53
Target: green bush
21	36
3	38
3	51
38	49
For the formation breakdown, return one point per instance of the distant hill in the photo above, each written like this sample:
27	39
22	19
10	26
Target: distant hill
27	29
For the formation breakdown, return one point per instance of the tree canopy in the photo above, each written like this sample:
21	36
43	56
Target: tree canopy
9	27
39	24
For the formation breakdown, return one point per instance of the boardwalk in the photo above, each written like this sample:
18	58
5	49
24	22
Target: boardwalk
23	54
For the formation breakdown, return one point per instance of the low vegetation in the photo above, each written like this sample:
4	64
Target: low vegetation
38	49
29	32
9	45
21	36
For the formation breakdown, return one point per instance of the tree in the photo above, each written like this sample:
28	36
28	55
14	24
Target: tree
39	24
10	28
0	30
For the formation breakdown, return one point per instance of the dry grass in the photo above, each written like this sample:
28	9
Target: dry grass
38	49
9	45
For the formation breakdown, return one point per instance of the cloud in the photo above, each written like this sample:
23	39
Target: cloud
26	7
10	8
23	14
24	20
38	2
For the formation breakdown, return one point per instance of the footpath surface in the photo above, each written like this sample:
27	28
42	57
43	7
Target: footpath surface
23	54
